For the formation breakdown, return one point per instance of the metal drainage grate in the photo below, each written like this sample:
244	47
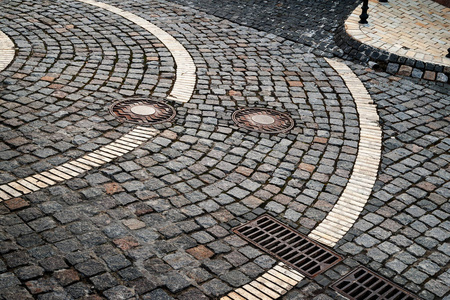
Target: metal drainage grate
363	284
142	111
300	252
263	120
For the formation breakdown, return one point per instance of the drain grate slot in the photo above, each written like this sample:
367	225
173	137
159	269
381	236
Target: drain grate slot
289	246
363	284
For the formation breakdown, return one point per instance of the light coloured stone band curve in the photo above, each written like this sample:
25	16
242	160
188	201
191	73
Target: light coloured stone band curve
352	201
186	71
181	91
7	51
281	278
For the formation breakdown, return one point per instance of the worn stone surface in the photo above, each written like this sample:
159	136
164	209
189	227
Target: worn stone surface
156	223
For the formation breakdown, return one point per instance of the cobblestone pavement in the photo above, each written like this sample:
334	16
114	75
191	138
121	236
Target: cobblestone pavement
313	23
156	223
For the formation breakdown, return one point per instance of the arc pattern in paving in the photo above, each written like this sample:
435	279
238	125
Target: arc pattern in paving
105	154
352	201
7	51
424	36
185	81
181	91
346	211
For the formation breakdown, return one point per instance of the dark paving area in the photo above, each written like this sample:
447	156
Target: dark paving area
156	223
310	22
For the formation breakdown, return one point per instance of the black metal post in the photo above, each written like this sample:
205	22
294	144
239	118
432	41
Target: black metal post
448	54
384	1
363	17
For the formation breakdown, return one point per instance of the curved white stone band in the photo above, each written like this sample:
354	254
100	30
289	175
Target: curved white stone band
181	91
352	201
186	71
281	278
7	51
105	154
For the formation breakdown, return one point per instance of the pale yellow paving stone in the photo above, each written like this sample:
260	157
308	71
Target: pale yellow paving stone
351	209
129	136
136	133
36	182
130	140
324	236
283	270
256	292
227	298
28	185
124	144
266	290
342	217
67	171
357	190
282	277
106	154
9	190
246	294
70	166
118	149
277	281
19	187
101	159
353	199
59	174
234	296
45	178
88	162
108	150
80	165
147	130
345	222
4	196
330	237
272	285
331	226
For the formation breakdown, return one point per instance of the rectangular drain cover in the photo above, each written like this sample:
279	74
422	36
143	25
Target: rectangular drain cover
289	246
363	284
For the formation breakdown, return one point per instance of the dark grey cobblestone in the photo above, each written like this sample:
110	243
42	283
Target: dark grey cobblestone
187	188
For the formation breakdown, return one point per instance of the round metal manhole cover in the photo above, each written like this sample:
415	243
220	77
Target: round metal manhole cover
263	120
142	111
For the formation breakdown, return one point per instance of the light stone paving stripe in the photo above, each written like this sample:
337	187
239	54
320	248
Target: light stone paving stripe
7	51
182	91
70	169
280	279
352	201
185	68
271	285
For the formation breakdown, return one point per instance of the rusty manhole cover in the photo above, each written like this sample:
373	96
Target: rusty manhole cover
142	111
263	120
289	246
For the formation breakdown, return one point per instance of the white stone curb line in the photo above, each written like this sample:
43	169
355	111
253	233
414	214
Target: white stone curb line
186	70
105	154
352	201
271	285
7	51
182	91
280	279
